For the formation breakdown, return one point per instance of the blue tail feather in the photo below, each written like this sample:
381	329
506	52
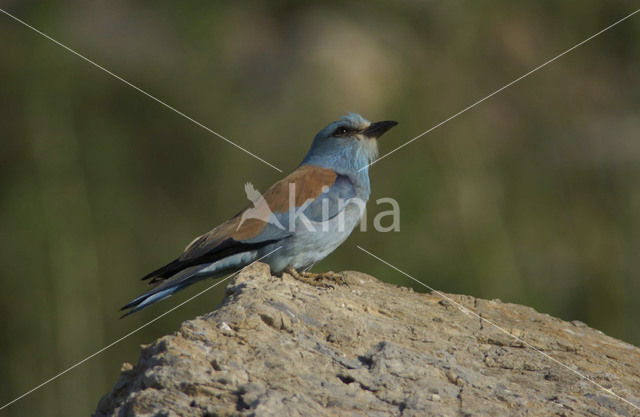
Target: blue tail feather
186	277
146	300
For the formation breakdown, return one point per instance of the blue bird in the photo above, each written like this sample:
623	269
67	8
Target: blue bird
297	222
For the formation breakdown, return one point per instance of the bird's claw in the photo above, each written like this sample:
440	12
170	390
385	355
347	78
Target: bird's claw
324	279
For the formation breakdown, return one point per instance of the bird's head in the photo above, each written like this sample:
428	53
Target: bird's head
351	141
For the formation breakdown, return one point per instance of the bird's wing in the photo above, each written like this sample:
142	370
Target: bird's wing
238	235
229	238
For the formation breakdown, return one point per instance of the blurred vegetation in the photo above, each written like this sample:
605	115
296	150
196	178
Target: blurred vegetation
532	197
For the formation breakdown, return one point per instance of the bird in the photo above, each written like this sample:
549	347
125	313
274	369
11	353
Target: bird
302	218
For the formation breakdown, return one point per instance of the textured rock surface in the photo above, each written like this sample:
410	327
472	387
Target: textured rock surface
280	347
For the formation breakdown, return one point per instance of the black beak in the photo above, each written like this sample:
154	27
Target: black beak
377	129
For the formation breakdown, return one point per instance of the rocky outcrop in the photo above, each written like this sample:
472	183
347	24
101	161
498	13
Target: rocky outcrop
280	347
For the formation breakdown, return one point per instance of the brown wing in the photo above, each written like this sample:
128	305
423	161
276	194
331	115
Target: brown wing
239	235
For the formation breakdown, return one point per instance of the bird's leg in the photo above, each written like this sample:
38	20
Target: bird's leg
317	280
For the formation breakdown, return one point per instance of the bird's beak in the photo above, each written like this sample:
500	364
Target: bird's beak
377	129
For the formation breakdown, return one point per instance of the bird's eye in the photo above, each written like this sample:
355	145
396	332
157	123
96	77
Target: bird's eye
342	131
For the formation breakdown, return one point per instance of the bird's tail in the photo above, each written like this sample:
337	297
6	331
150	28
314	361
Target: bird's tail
166	289
188	276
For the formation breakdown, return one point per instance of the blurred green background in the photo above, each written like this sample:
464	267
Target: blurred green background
531	197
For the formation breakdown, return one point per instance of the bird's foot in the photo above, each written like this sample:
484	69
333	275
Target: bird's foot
324	279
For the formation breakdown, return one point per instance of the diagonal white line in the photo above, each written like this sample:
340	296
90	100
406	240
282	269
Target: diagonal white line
467	311
133	332
140	90
501	89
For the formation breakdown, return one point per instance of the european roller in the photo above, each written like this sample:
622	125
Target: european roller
297	222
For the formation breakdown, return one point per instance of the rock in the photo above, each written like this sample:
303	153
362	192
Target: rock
280	347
